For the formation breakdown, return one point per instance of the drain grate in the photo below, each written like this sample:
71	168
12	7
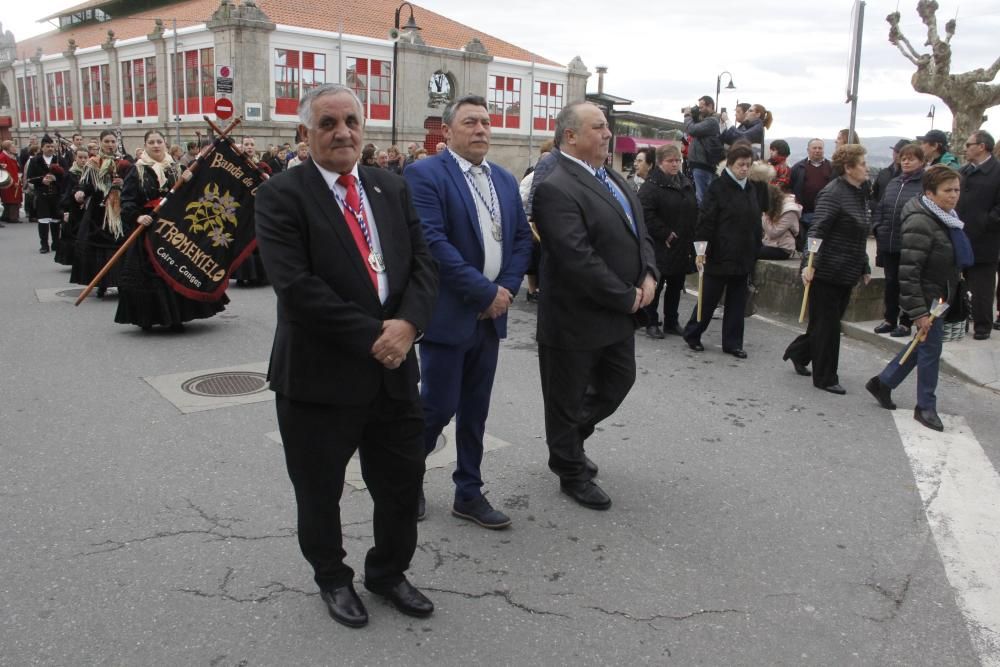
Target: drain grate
226	384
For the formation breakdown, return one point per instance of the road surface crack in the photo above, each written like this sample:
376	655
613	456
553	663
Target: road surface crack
503	595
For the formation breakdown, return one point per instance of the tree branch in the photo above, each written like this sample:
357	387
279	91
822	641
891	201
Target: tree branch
928	14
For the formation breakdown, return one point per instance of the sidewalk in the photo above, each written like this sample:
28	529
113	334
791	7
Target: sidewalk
975	361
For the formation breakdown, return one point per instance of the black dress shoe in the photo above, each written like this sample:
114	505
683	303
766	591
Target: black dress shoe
739	354
902	331
654	331
421	506
480	511
695	345
42	251
882	393
345	606
673	330
590	466
587	494
801	369
834	389
885	328
928	418
981	335
405	597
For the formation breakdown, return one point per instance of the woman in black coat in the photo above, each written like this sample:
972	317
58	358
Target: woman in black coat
670	209
143	298
842	222
729	221
72	210
934	251
887	225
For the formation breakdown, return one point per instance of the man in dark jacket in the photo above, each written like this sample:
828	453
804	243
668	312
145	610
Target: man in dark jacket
887	174
979	209
809	176
705	146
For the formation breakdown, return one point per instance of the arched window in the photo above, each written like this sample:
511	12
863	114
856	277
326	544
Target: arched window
4	96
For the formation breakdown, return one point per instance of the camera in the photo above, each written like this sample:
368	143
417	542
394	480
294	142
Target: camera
694	111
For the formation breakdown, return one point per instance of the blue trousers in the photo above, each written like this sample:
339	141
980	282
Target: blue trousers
457	381
927	359
702	179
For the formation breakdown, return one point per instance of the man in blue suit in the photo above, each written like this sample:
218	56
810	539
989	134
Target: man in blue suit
476	229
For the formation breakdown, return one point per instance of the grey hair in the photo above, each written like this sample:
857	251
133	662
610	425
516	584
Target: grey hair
568	119
313	94
449	111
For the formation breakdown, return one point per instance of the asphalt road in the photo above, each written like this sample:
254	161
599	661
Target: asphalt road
756	520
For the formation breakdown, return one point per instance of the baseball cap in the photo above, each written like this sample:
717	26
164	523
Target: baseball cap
900	144
935	137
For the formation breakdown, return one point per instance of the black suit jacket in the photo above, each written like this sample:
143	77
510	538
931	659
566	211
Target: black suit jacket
591	260
979	209
329	314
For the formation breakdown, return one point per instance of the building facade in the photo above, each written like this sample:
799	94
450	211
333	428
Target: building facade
141	64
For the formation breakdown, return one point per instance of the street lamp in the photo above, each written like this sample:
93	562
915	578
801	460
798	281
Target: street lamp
410	27
930	114
718	87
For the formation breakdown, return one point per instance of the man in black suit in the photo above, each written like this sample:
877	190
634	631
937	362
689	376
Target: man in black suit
979	209
356	284
598	269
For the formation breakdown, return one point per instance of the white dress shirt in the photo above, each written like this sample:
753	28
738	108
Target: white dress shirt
492	249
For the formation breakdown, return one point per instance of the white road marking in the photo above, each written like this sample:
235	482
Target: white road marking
961	494
443	456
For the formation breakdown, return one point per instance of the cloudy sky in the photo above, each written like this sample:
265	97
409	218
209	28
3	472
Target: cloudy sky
664	54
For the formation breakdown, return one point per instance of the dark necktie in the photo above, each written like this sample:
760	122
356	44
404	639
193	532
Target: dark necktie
602	176
351	213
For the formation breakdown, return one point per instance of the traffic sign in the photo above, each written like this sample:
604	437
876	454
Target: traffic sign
223	108
223	80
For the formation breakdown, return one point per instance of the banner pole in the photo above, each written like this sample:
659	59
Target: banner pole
134	236
256	165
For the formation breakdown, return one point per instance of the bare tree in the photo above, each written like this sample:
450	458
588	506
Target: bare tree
969	94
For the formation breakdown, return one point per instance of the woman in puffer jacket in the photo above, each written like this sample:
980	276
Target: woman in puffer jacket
887	225
934	251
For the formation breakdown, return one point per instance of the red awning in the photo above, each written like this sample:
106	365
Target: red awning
632	144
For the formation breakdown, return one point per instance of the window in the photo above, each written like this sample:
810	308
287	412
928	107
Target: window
30	113
139	88
372	81
547	102
194	82
504	98
95	92
60	96
292	68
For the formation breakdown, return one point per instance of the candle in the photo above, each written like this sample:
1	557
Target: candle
814	245
700	247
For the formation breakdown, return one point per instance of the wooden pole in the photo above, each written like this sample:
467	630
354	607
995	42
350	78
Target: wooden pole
701	285
134	236
216	129
805	295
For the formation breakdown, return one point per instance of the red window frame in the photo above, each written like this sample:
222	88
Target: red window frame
295	72
504	99
371	80
194	82
139	88
547	102
60	95
95	92
27	100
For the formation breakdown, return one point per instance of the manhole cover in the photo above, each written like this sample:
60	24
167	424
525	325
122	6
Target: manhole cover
70	293
226	383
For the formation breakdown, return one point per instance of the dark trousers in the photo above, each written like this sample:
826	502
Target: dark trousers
319	440
670	286
579	389
43	232
11	213
927	359
456	381
982	282
771	252
892	313
820	344
732	317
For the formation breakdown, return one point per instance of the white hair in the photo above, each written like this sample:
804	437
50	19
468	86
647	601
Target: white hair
313	94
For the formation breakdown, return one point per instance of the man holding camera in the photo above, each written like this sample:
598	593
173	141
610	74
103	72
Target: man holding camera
704	145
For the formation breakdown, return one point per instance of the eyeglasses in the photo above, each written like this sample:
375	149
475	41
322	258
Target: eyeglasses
972	143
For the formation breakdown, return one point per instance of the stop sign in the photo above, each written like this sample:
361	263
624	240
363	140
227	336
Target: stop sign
223	108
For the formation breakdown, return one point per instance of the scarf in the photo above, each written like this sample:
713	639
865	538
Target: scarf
964	256
100	178
742	184
159	168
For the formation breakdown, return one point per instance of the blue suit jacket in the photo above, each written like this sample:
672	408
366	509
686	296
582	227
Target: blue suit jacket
450	222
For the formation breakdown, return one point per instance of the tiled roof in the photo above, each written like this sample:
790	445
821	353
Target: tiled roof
367	18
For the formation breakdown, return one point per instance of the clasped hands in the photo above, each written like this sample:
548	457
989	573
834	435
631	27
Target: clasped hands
501	304
644	294
394	343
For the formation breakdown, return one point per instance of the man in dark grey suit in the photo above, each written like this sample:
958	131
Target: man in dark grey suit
356	284
598	269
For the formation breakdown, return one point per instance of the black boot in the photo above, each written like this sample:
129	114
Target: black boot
43	237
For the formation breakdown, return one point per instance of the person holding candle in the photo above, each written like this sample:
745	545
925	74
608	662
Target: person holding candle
841	223
934	251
